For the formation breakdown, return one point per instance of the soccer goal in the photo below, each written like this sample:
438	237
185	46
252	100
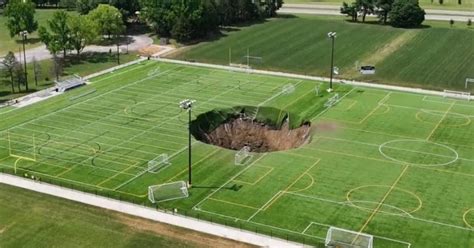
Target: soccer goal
22	146
288	89
243	156
342	238
168	192
457	94
332	101
158	163
469	81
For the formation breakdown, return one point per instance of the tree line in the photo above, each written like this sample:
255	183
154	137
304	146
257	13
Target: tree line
186	20
399	13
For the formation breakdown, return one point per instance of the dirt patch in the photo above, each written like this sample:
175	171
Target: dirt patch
191	237
150	50
237	133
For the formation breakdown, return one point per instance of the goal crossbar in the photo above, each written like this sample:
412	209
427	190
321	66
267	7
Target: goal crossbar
338	237
457	94
167	192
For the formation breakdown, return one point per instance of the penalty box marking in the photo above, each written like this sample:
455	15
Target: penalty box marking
270	169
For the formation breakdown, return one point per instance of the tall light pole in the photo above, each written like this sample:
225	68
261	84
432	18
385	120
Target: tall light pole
24	35
332	36
188	105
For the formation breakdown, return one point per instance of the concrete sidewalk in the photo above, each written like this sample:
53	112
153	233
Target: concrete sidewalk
148	213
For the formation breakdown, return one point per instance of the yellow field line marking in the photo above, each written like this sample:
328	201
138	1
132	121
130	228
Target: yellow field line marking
260	178
291	185
380	203
464	217
354	102
116	174
193	165
383	100
232	203
305	188
440	121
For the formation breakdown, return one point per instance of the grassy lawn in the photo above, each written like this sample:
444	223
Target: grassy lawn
467	5
299	44
12	44
30	219
86	64
395	165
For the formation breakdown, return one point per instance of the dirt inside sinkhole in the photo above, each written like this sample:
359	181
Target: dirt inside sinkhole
236	130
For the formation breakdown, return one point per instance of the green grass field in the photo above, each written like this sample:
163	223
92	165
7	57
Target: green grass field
12	44
395	165
415	57
467	5
29	219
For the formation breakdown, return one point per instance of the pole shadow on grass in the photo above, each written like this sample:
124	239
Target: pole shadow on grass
234	187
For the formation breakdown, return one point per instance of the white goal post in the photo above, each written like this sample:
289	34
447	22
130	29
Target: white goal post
468	81
288	89
457	94
342	238
332	101
158	163
168	192
243	156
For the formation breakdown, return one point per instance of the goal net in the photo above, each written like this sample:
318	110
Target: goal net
469	82
288	89
167	192
332	101
342	238
243	156
457	94
158	163
21	146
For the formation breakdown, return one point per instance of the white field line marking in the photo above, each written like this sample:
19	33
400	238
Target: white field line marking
276	95
264	205
395	148
440	121
101	143
196	206
184	148
146	170
113	75
398	215
90	99
327	109
306	229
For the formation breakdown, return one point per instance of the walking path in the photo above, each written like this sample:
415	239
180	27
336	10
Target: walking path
148	213
41	53
326	9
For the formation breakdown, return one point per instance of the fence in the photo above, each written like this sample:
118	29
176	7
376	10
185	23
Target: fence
272	235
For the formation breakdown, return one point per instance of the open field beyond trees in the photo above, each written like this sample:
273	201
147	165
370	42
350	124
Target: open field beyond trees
467	5
12	44
395	165
31	219
434	57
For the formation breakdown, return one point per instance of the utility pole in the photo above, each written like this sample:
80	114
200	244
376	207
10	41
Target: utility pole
332	36
188	105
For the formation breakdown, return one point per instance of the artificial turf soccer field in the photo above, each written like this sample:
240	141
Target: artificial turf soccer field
395	165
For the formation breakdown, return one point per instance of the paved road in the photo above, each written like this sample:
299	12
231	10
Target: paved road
325	9
41	53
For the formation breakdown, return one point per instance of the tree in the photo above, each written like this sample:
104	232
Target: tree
82	32
366	7
108	20
68	4
36	70
469	22
451	22
9	63
20	17
384	7
19	75
350	10
406	14
59	32
85	6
